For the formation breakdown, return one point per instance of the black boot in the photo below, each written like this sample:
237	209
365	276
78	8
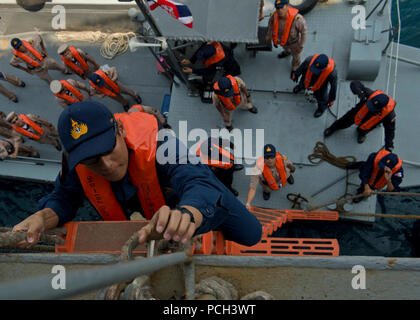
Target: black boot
318	113
297	89
361	138
283	54
290	180
238	167
253	110
328	132
266	195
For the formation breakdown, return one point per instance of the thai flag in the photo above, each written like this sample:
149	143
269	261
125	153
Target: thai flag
177	10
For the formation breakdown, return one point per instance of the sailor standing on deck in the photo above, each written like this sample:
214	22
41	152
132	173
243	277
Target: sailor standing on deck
317	72
114	160
105	83
13	80
34	55
273	172
78	61
373	109
215	153
287	28
231	93
381	169
69	91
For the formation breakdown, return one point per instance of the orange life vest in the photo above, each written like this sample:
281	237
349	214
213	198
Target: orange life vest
27	58
109	82
77	94
138	107
291	15
218	56
141	138
81	71
236	94
30	123
382	182
374	120
322	77
268	175
225	163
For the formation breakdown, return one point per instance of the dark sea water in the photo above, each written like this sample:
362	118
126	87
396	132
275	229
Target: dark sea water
387	237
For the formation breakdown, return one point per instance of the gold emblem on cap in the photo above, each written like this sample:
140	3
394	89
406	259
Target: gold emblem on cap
78	129
376	102
388	161
268	149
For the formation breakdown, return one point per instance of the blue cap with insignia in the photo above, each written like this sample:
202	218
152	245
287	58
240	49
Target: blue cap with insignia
206	52
280	3
269	151
390	160
319	64
16	43
377	102
225	86
87	129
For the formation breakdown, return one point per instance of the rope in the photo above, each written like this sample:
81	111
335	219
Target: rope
322	153
297	200
10	239
216	287
258	295
113	44
398	48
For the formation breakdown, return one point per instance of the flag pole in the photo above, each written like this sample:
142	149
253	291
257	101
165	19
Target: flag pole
173	61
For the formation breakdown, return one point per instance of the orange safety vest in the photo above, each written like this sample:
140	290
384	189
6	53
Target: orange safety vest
291	15
322	77
236	94
27	58
268	175
225	163
109	82
138	107
141	138
382	182
30	123
78	95
83	65
374	120
218	56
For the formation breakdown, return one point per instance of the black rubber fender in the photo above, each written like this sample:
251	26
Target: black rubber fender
31	5
304	6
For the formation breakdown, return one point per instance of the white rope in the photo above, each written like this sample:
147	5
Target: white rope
392	49
398	48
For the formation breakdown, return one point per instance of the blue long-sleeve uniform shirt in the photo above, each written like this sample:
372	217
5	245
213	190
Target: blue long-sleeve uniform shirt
190	184
367	168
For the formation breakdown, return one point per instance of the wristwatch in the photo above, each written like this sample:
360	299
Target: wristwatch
185	210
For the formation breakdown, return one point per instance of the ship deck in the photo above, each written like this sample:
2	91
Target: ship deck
287	119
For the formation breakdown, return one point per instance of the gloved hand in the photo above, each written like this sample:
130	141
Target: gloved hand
294	77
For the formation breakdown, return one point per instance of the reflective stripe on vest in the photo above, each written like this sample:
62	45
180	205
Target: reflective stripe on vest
218	56
225	163
378	117
78	95
268	175
141	138
322	77
382	181
236	94
109	82
83	65
291	15
27	58
30	123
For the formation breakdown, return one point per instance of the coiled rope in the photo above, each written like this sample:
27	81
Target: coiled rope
9	239
217	288
113	44
322	153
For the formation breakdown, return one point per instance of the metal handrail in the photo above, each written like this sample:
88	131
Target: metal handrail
79	282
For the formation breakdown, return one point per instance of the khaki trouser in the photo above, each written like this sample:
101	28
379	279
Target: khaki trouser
227	114
48	64
13	80
296	57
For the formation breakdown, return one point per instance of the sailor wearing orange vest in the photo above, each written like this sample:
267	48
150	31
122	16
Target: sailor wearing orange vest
115	161
69	91
13	80
105	83
373	109
217	153
231	93
151	110
272	172
381	169
78	61
34	127
34	55
317	72
287	28
213	57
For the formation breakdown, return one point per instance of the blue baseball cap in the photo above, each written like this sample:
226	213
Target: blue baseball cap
377	102
269	151
16	43
319	64
87	129
206	52
97	79
225	86
280	3
390	160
